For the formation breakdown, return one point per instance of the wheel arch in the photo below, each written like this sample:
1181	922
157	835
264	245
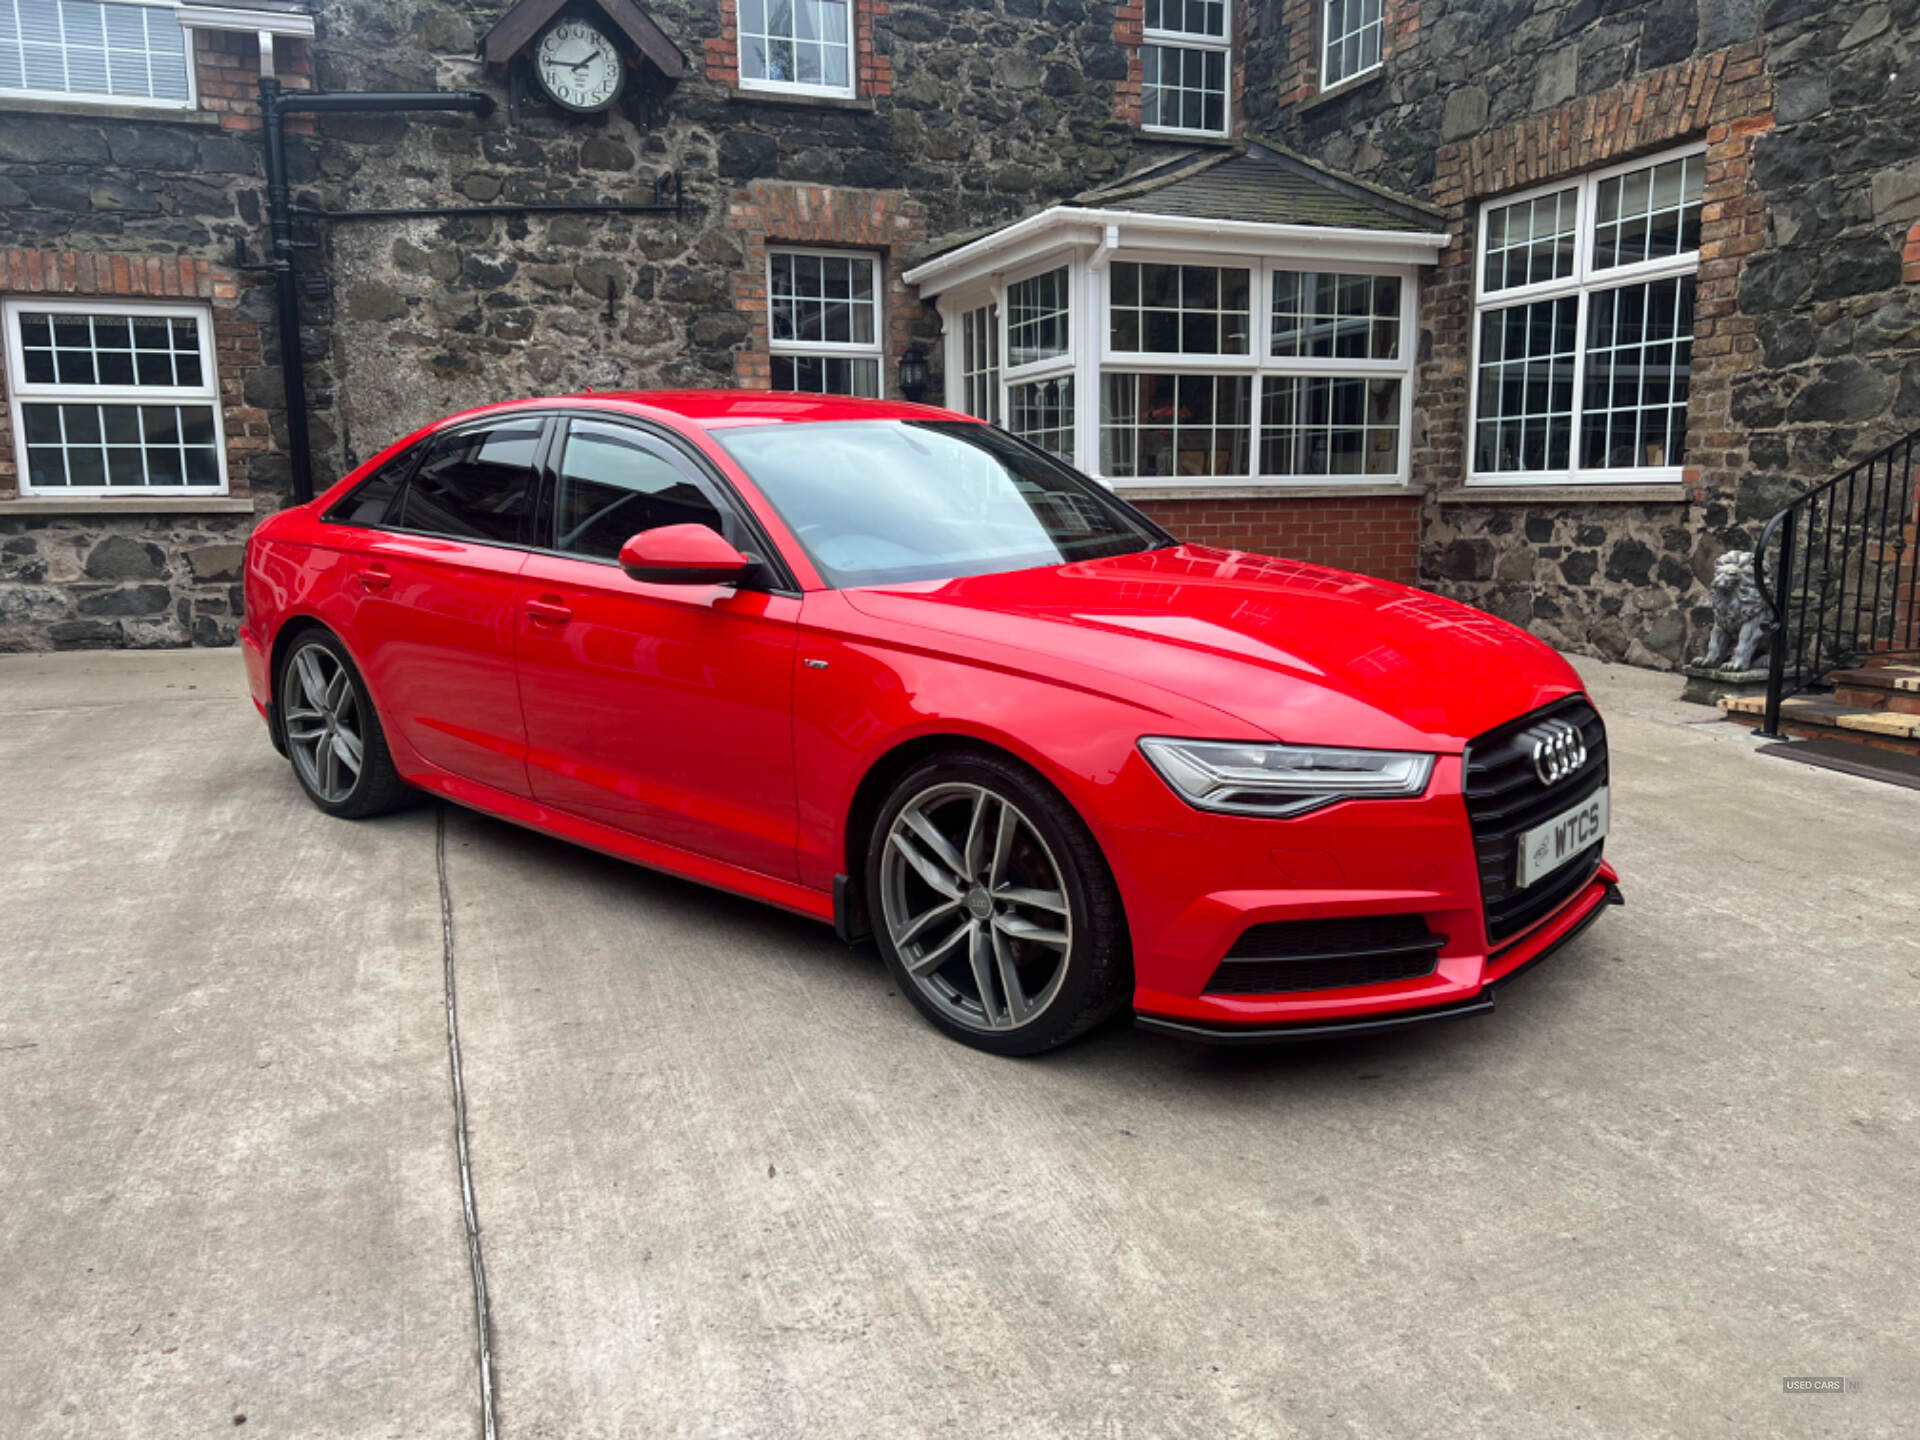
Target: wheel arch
870	795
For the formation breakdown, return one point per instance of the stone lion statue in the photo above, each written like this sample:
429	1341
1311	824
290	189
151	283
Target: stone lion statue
1741	619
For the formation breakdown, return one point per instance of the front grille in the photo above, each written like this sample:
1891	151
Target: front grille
1288	955
1505	798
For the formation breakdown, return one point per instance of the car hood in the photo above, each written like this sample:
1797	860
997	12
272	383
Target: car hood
1298	651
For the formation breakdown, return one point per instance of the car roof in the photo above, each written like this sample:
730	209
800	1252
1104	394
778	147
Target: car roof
723	409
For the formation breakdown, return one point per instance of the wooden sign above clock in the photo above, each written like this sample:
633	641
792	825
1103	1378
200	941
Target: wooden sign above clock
578	53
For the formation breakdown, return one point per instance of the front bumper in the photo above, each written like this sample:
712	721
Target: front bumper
1502	969
1194	883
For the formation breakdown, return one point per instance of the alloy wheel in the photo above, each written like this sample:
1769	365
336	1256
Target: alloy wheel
323	725
976	906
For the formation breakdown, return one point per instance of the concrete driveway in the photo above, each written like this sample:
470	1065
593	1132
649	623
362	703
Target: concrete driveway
728	1183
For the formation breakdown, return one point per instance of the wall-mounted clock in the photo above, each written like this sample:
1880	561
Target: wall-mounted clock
578	66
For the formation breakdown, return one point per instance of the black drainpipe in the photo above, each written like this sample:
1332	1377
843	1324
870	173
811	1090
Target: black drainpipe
280	212
274	106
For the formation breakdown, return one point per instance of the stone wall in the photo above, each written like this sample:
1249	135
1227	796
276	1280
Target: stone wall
1808	349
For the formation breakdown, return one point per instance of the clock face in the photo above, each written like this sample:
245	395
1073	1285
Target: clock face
578	66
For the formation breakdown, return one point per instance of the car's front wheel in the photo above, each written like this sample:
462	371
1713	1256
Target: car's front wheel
994	907
333	736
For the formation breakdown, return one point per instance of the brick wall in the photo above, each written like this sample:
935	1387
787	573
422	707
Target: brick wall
873	69
875	221
226	67
1372	536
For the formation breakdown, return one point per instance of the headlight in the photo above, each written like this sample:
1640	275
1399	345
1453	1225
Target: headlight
1254	779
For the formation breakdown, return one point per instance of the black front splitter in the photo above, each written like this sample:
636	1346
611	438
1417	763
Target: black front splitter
1478	1004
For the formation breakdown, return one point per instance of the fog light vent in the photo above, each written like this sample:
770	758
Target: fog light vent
1285	956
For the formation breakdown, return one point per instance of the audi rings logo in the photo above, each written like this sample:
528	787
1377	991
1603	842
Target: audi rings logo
1558	752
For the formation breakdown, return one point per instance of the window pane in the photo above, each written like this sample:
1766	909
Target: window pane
1638	366
612	486
1329	425
1649	214
372	500
474	484
1160	425
1179	309
827	375
1353	30
1321	315
1037	318
1524	387
1530	241
796	42
980	364
1183	89
1042	412
80	47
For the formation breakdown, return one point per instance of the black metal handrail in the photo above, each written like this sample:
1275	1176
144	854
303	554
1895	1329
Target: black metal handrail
1856	593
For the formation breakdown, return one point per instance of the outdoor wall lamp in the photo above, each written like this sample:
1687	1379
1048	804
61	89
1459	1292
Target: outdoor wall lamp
913	373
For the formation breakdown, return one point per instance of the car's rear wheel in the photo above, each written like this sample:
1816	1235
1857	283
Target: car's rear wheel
333	736
994	907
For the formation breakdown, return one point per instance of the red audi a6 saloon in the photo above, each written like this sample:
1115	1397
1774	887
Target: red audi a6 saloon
892	668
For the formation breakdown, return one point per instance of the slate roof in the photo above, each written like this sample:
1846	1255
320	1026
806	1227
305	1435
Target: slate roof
1260	182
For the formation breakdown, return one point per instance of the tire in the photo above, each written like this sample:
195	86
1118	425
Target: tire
317	729
1039	902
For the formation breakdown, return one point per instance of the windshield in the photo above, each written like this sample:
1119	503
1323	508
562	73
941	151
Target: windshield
880	501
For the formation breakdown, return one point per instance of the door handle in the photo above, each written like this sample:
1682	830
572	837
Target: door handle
548	612
375	577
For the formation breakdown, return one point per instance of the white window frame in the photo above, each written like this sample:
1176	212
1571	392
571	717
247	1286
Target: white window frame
22	392
1260	361
1326	47
834	349
1068	364
1090	356
1189	40
1583	283
984	376
91	98
796	87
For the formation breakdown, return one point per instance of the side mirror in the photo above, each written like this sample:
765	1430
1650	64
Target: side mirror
684	555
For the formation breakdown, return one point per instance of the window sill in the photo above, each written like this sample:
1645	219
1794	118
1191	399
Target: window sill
79	109
1168	136
1668	493
1263	490
97	505
802	100
1333	93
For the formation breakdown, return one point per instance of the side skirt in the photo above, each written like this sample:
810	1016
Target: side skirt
519	810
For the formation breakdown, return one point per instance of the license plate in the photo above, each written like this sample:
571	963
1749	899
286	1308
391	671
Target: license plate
1546	847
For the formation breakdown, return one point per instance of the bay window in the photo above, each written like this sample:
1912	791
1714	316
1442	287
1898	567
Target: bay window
824	324
110	398
1197	366
1184	66
1583	339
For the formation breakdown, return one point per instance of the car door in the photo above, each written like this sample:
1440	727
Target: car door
664	710
434	623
